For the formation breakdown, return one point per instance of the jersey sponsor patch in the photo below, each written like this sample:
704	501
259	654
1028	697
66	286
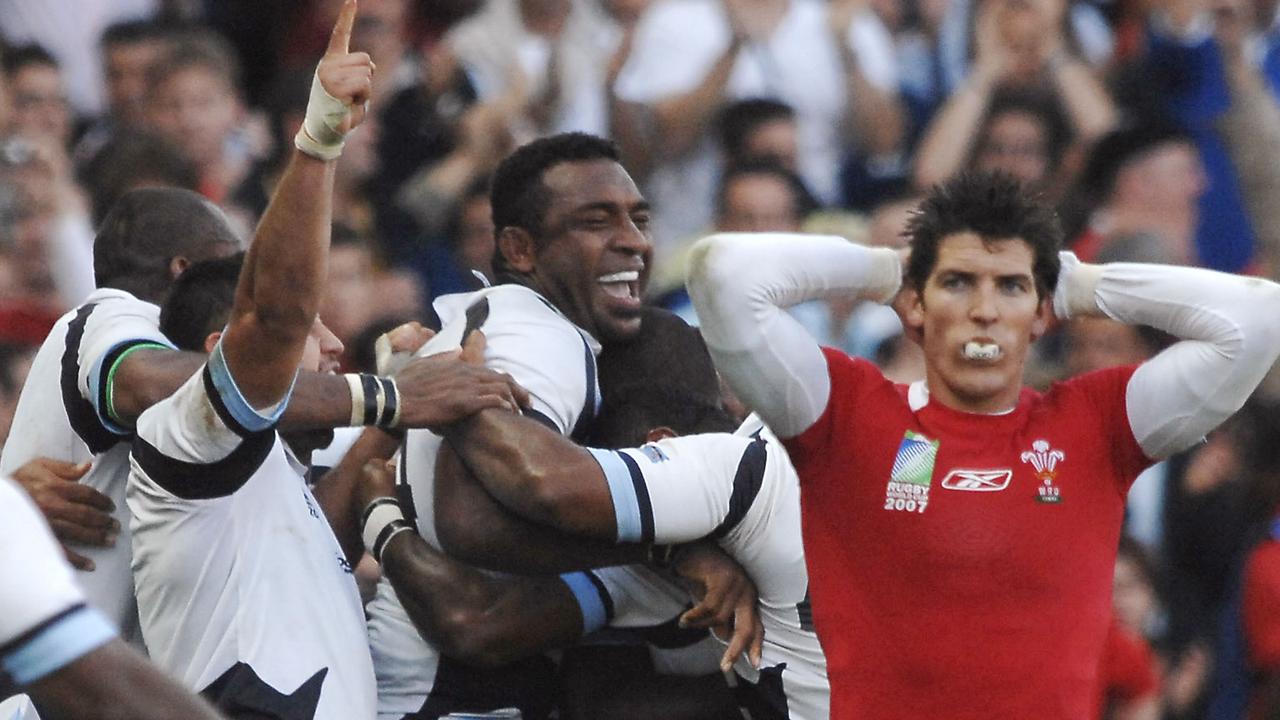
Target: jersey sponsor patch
912	474
978	480
654	453
1044	460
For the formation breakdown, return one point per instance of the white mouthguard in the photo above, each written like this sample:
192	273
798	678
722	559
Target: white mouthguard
981	351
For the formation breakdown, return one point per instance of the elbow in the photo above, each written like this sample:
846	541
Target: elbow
472	638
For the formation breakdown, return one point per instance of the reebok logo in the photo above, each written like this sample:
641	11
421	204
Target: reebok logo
977	480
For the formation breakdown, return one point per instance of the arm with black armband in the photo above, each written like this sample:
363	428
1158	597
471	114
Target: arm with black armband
1229	331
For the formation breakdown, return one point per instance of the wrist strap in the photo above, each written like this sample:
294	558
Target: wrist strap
381	521
374	400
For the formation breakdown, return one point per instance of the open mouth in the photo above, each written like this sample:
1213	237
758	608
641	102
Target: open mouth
623	285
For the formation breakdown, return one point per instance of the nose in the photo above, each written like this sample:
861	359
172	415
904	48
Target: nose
633	240
330	345
984	310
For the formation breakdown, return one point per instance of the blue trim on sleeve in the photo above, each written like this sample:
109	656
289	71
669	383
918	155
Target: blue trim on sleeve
592	605
626	506
97	393
239	408
58	645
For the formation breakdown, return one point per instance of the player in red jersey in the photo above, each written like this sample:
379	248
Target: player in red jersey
961	532
1261	611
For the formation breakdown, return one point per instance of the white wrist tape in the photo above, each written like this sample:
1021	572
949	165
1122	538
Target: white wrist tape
375	401
319	135
388	361
1077	287
383	520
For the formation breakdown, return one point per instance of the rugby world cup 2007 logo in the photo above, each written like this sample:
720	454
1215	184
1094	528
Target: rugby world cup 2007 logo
908	488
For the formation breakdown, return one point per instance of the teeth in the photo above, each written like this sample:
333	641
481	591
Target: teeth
981	351
624	276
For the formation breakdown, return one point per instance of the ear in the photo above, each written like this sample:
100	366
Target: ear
517	247
662	432
177	266
910	307
212	340
1044	316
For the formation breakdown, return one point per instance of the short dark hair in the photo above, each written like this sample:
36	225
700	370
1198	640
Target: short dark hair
518	195
661	377
23	56
146	229
997	208
132	32
1119	148
802	199
737	120
1043	106
203	49
200	302
131	158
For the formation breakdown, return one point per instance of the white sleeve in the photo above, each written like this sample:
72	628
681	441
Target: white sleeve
740	283
71	256
44	622
205	420
111	330
638	596
1230	337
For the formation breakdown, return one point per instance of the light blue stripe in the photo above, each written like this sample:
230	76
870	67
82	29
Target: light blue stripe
240	409
626	506
590	603
96	375
58	645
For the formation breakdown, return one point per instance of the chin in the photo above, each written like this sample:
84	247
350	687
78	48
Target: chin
616	329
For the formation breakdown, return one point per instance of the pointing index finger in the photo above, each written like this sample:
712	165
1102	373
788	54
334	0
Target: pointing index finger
340	40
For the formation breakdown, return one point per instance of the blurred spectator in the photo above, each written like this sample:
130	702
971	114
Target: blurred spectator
71	30
1128	677
546	60
15	361
1020	44
1147	180
348	305
194	102
36	91
759	129
129	50
470	232
830	61
1261	593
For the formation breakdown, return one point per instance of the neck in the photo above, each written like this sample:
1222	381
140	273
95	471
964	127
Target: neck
994	404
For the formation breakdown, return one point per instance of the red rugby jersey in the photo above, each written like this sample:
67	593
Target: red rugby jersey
960	565
1260	608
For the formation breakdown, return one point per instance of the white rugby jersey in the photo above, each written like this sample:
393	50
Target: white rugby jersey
555	361
243	591
742	491
62	414
44	622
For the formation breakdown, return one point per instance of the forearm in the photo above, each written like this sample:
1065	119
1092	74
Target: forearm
336	491
475	617
535	472
681	120
145	377
476	529
1086	101
1230	338
279	290
740	284
320	401
949	139
877	115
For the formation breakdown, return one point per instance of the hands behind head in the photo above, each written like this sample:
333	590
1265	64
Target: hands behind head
726	600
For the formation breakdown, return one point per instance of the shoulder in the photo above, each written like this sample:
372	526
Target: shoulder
1105	386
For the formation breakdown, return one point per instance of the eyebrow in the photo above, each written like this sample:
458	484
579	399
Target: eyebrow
611	207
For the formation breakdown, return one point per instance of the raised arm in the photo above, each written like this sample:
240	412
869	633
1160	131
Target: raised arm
279	291
1230	338
741	283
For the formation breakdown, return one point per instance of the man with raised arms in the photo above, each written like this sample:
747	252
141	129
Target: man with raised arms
961	531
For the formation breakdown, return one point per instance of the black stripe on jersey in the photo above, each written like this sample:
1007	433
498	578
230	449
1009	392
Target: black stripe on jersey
204	481
220	407
669	635
766	699
477	314
528	684
746	486
643	502
29	635
605	598
404	492
84	419
241	693
535	415
588	414
804	613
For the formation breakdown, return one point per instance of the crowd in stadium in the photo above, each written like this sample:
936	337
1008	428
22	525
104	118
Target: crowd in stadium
547	359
